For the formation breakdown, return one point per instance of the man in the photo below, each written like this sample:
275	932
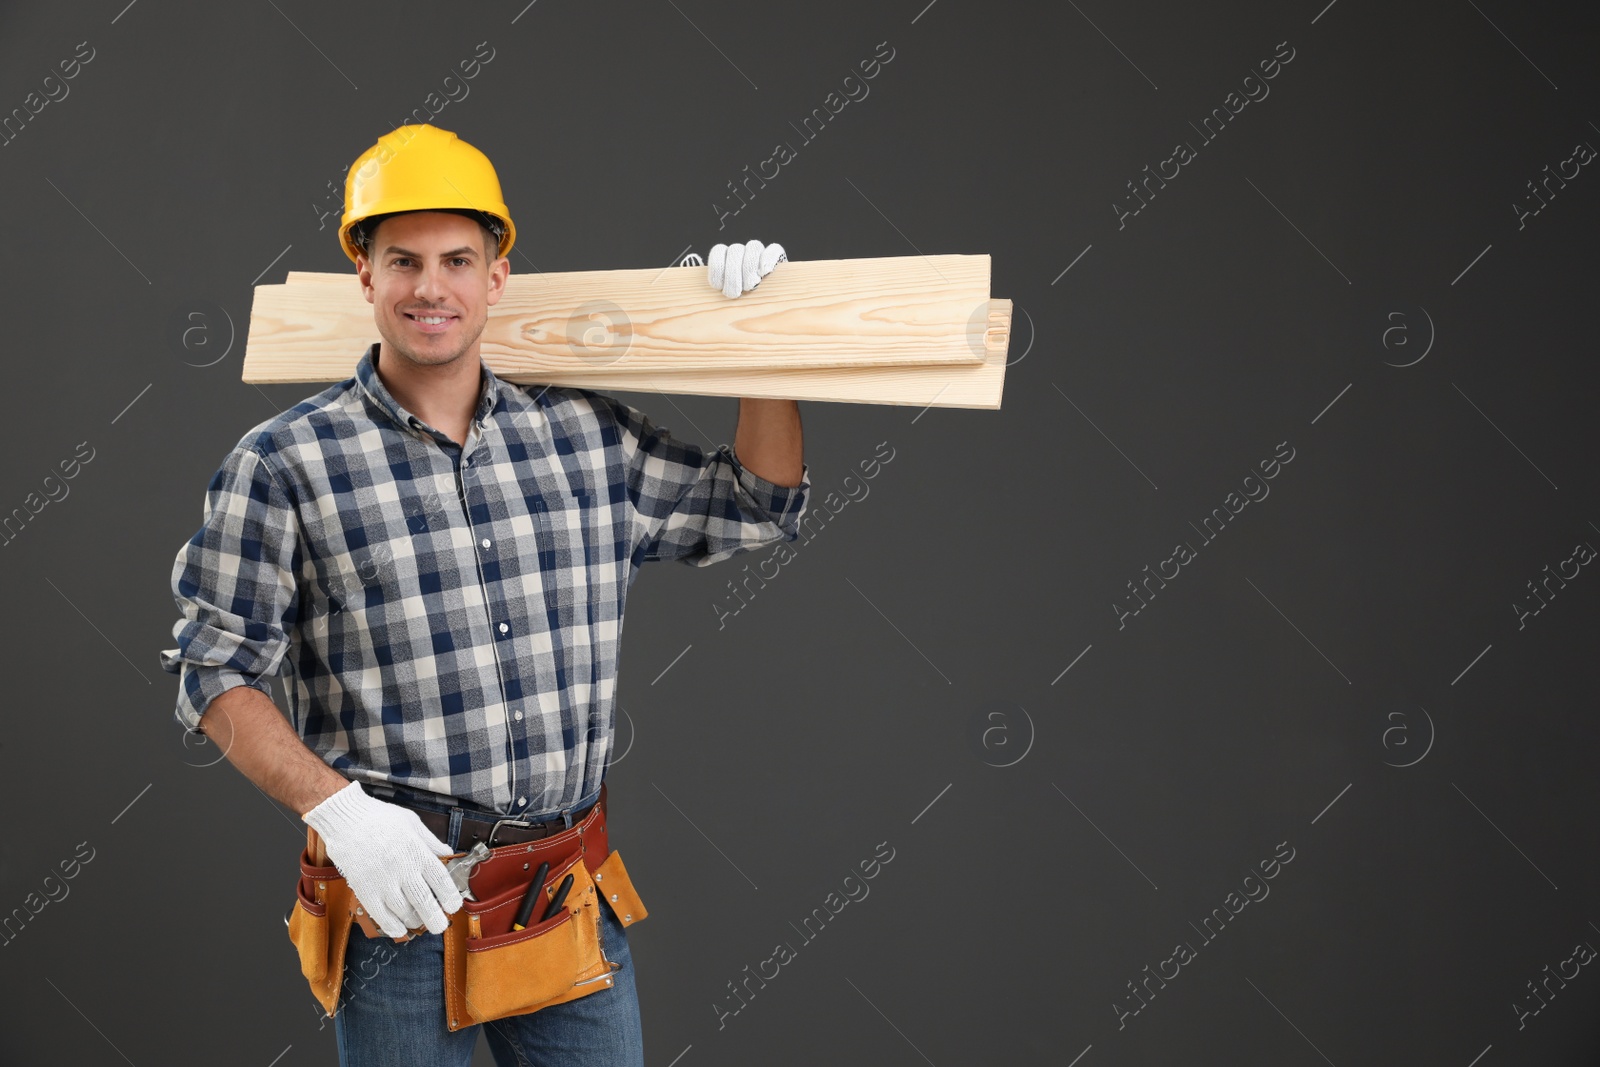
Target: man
440	559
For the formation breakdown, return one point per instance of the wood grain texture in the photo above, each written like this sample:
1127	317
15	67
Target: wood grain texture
844	313
964	386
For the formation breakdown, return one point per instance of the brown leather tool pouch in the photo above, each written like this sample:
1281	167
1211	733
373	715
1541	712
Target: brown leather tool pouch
496	971
319	926
492	971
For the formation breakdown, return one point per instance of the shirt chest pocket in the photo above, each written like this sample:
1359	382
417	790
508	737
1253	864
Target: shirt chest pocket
564	517
572	539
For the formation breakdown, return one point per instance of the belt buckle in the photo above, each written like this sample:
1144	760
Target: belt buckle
520	823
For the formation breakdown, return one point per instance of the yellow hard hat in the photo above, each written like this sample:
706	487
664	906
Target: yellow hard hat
422	168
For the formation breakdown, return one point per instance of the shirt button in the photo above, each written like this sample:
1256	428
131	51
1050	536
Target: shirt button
522	802
518	716
485	542
504	627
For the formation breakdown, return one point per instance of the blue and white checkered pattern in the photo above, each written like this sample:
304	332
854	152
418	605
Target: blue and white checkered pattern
451	617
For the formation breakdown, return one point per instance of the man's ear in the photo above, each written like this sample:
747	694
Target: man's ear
364	276
499	271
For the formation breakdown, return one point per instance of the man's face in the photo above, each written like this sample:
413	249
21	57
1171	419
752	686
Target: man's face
430	286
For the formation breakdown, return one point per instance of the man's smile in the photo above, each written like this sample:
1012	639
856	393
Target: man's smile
432	322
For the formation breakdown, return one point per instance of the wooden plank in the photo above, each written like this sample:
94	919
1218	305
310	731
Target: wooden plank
960	386
966	386
971	386
890	311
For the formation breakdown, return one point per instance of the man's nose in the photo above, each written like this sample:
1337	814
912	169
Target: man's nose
430	284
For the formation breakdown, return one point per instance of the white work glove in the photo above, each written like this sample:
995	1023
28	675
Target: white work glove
389	859
736	269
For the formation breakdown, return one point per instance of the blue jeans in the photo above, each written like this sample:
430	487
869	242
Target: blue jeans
391	1012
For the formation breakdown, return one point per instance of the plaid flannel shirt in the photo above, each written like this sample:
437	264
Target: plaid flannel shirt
451	616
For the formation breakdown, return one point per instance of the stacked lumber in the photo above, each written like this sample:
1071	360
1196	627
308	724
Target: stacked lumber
911	330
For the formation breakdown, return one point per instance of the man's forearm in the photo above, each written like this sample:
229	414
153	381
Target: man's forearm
767	440
257	739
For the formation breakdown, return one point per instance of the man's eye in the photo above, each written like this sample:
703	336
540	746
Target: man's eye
463	260
399	261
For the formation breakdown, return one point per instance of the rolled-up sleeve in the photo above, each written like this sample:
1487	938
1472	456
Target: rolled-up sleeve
696	506
235	584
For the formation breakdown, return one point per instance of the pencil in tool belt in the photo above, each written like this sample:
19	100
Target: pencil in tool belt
525	910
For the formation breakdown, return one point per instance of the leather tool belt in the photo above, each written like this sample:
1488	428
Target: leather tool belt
490	970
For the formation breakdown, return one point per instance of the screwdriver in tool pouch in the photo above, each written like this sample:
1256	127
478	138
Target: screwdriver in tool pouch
525	911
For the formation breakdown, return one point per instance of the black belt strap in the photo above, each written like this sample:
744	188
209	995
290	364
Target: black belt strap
492	830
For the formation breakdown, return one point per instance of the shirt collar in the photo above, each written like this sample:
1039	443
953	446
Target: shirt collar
367	376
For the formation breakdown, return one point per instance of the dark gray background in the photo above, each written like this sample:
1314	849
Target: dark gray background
1359	617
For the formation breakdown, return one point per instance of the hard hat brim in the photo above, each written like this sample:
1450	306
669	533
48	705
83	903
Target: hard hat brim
497	211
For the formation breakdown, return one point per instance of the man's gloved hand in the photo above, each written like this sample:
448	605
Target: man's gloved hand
736	269
389	859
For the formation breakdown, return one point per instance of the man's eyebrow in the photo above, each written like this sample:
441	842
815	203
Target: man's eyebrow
393	250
